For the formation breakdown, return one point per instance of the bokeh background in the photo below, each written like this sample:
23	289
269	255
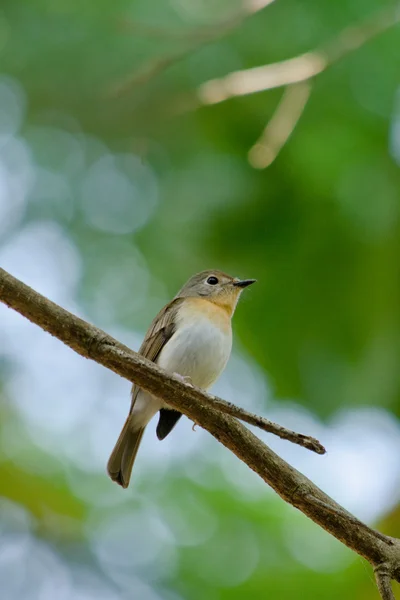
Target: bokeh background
115	187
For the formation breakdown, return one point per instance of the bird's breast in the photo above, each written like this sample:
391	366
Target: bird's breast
201	345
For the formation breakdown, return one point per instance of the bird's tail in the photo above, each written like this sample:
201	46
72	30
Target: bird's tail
123	456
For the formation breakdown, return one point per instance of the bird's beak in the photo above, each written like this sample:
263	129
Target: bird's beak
242	283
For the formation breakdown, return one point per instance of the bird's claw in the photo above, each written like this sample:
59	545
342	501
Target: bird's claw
184	379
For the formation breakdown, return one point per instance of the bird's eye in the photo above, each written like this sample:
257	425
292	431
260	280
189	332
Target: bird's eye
212	280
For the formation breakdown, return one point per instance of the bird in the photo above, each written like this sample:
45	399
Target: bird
190	337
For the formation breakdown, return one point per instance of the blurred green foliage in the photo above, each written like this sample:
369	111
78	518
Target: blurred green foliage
147	193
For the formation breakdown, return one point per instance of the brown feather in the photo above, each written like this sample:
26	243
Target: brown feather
160	331
123	456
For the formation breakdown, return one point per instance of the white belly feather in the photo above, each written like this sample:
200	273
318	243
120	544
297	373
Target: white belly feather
198	350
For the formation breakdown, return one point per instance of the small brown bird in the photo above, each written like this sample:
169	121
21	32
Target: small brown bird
191	337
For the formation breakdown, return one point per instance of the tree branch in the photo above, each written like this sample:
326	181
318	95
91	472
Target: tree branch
193	39
299	68
290	484
281	125
43	313
262	423
382	577
296	75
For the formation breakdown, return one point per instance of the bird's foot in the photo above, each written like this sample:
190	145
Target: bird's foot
184	379
194	426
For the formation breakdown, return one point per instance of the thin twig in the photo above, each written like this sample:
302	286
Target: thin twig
259	79
382	578
290	484
281	125
148	71
285	434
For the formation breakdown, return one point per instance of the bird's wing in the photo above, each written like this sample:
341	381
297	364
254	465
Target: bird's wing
160	332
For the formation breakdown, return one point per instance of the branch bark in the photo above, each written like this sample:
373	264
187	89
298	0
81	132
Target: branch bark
285	434
382	577
383	552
